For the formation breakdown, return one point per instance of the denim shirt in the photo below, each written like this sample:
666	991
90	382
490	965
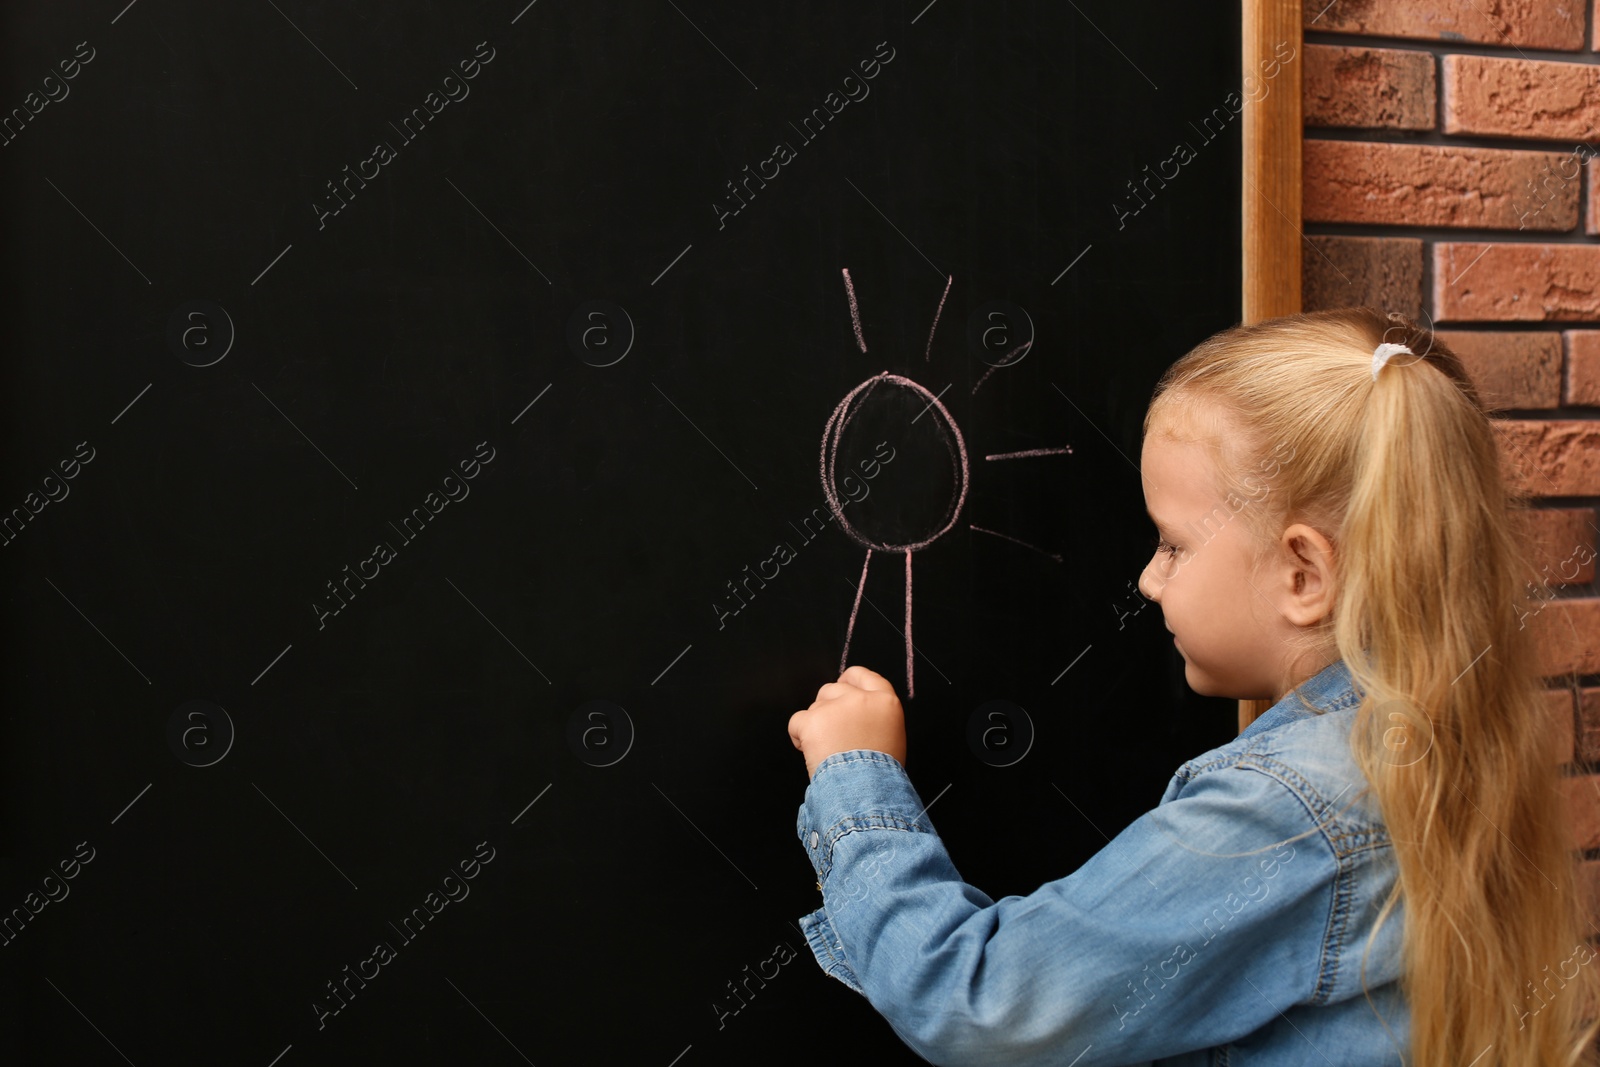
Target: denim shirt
1227	925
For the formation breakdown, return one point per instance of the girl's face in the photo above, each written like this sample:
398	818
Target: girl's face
1228	632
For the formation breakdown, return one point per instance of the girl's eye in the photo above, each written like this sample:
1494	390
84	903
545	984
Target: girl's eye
1163	546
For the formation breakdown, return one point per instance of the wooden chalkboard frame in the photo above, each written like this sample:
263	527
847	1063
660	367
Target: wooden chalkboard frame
1270	193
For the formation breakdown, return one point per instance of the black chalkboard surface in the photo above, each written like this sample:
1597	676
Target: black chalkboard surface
446	443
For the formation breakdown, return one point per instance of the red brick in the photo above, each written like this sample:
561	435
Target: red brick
1588	725
1477	282
1588	872
1521	97
1551	457
1382	272
1510	369
1436	185
1561	546
1583	368
1387	88
1558	710
1568	633
1583	809
1529	23
1591	222
1552	188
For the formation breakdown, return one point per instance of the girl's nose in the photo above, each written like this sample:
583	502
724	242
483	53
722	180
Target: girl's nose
1146	586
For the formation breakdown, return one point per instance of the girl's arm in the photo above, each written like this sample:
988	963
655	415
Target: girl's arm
1198	924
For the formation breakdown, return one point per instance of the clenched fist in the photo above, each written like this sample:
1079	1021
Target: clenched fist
860	710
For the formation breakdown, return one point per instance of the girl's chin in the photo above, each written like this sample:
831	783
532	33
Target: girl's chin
1196	680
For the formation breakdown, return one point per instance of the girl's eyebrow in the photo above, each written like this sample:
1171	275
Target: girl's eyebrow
1159	524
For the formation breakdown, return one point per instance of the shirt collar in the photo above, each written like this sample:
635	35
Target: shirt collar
1330	689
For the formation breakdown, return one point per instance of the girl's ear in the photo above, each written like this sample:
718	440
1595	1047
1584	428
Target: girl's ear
1305	576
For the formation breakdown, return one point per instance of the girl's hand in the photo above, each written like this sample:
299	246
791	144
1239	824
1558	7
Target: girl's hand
860	710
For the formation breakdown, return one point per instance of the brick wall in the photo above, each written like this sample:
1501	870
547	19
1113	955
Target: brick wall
1450	174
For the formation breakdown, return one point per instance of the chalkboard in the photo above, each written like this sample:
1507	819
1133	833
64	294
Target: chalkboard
446	443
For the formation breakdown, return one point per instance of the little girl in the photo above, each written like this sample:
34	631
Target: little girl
1377	870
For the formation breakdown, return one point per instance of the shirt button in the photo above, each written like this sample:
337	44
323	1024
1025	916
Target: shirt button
813	839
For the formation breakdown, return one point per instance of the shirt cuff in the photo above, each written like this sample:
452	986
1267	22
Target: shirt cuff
860	789
828	949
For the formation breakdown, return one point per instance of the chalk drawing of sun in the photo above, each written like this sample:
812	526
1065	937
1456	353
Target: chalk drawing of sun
931	502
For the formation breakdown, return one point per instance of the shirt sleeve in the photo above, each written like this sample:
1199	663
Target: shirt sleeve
1196	925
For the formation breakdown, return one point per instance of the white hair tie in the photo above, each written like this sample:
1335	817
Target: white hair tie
1381	354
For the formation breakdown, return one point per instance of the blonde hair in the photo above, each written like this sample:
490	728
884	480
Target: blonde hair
1402	475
